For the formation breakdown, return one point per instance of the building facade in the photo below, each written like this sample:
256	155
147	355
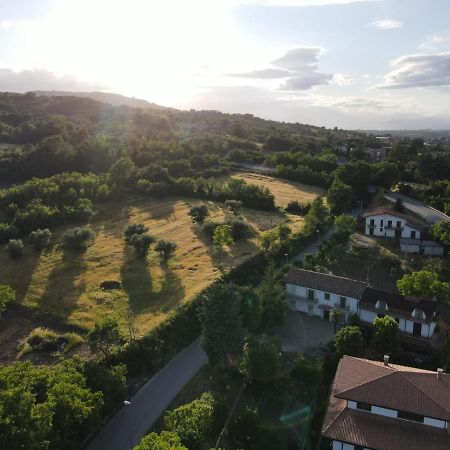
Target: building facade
382	406
415	246
316	294
384	222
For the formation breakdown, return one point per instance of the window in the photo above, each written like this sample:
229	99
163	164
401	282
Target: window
410	416
343	302
363	406
372	222
413	234
310	294
418	313
381	304
381	222
327	296
381	229
389	223
399	223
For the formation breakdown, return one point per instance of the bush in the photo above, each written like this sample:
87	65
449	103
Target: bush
166	440
199	213
78	238
40	238
239	229
133	229
141	244
15	248
109	285
165	248
295	207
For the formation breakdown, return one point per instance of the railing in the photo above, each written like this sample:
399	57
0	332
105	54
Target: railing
303	299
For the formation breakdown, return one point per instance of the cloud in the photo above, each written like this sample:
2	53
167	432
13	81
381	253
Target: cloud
6	24
306	81
298	58
432	43
41	79
418	70
264	73
359	103
385	24
342	80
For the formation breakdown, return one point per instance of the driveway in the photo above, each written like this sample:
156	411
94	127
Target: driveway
429	214
303	333
314	247
131	423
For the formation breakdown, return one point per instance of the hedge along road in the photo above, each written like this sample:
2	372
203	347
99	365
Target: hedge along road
132	422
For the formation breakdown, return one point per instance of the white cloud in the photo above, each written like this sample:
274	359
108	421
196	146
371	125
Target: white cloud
6	24
419	70
385	24
263	73
306	81
432	43
298	58
343	80
41	79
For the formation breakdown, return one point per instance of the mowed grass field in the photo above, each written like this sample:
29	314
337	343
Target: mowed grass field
283	190
67	285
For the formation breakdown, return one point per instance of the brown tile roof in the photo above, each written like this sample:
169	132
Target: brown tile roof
397	302
393	386
325	282
383	433
387	210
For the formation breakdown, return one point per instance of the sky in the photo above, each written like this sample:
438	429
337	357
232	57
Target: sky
369	64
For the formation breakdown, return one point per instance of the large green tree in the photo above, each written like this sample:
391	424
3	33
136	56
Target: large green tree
273	297
424	284
385	334
222	331
105	336
349	341
339	197
166	440
317	217
441	232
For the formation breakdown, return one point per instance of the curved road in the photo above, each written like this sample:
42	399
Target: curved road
429	214
131	423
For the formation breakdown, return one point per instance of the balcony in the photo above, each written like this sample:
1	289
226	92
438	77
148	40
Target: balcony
298	298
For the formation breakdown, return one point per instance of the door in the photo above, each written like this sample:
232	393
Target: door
310	309
371	231
398	233
413	234
417	329
326	314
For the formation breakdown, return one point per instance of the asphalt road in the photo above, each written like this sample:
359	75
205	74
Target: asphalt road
132	422
429	214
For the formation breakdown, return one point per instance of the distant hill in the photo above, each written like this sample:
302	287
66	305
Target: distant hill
106	97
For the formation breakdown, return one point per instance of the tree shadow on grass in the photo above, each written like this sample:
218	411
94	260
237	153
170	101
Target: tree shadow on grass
62	292
139	286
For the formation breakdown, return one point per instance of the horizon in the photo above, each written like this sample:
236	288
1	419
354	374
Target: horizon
297	59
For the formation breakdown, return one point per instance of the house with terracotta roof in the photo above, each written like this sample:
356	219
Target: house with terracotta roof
316	294
383	221
382	406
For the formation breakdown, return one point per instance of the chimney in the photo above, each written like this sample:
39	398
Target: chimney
386	360
439	373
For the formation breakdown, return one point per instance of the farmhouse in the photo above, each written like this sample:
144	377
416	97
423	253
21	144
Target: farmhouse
382	406
317	294
382	221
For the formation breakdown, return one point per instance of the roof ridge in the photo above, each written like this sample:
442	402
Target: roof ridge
368	382
421	390
334	419
329	275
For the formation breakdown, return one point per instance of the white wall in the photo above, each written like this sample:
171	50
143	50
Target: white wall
433	251
301	303
351	404
379	230
342	446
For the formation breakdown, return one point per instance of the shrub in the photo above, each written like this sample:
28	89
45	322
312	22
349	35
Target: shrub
131	230
7	296
15	248
234	206
165	248
166	440
295	207
40	238
78	238
109	285
141	244
199	213
239	229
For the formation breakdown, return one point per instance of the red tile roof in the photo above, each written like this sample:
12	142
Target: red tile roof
395	387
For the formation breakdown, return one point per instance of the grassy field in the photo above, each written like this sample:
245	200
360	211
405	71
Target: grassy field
65	284
283	190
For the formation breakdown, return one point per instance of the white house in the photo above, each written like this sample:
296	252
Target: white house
317	293
382	221
429	248
377	405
